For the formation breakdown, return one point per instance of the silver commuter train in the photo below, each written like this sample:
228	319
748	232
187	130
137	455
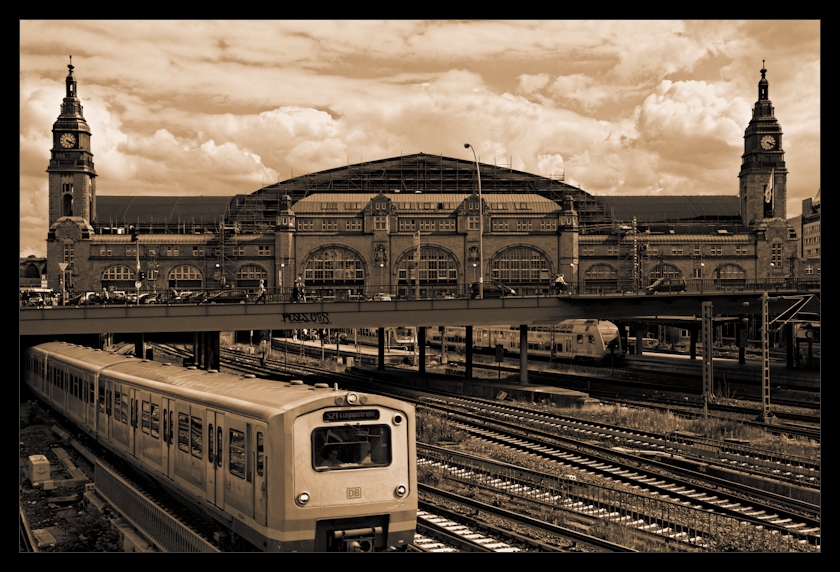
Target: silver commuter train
573	339
280	466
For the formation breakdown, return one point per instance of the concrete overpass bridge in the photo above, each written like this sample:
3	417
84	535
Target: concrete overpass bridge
64	320
206	321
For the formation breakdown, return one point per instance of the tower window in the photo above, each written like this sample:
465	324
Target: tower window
67	199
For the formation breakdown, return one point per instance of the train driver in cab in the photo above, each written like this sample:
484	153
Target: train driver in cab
329	458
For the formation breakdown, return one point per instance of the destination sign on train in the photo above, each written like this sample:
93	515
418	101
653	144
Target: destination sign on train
355	415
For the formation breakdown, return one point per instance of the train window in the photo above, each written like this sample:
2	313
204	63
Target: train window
580	338
101	399
117	405
124	408
196	442
236	453
147	417
260	453
211	458
108	402
351	447
155	421
184	432
218	446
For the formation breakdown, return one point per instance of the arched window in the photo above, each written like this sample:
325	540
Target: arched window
118	278
599	279
331	270
729	276
249	276
31	271
67	205
520	267
438	273
186	277
663	269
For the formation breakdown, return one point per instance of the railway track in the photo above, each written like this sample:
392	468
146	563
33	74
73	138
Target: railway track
692	487
788	522
791	469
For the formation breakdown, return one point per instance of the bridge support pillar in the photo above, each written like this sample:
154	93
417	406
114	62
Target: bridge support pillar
207	354
523	354
789	336
140	346
468	347
692	345
380	362
420	341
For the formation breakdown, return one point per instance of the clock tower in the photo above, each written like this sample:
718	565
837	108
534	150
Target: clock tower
763	187
72	194
72	177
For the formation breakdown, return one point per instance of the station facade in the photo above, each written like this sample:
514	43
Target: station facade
416	225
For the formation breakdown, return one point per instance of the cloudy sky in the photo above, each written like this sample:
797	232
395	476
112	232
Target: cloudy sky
225	107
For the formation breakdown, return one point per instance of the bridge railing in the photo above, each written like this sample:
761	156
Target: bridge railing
438	291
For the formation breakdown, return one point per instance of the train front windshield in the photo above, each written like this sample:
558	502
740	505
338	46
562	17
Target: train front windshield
351	447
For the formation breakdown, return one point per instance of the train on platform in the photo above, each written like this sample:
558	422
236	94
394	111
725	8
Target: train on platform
400	337
276	466
582	340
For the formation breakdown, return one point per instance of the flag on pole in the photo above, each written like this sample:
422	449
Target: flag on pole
768	191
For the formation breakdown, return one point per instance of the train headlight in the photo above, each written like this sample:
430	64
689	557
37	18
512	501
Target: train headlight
302	498
401	491
398	419
352	399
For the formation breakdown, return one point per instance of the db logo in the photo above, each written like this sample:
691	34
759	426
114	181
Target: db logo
354	493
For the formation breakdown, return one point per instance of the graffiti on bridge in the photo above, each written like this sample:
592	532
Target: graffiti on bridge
306	317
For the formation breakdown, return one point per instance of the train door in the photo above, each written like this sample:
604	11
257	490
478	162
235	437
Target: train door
215	458
91	416
260	474
103	407
167	426
239	490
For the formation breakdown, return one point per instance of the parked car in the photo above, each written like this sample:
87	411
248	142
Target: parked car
85	298
228	297
666	284
492	290
382	297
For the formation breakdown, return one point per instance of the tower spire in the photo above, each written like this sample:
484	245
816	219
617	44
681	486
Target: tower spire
763	86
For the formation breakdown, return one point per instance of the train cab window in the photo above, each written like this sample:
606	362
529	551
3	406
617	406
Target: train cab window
580	338
101	399
351	447
155	419
236	454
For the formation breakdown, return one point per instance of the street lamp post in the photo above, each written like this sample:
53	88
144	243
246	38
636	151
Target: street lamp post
480	225
280	282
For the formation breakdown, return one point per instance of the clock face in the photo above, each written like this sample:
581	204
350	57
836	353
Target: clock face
767	142
67	140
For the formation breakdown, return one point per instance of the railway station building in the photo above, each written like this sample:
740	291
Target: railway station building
414	225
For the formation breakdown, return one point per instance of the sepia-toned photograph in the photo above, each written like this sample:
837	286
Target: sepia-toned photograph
442	286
